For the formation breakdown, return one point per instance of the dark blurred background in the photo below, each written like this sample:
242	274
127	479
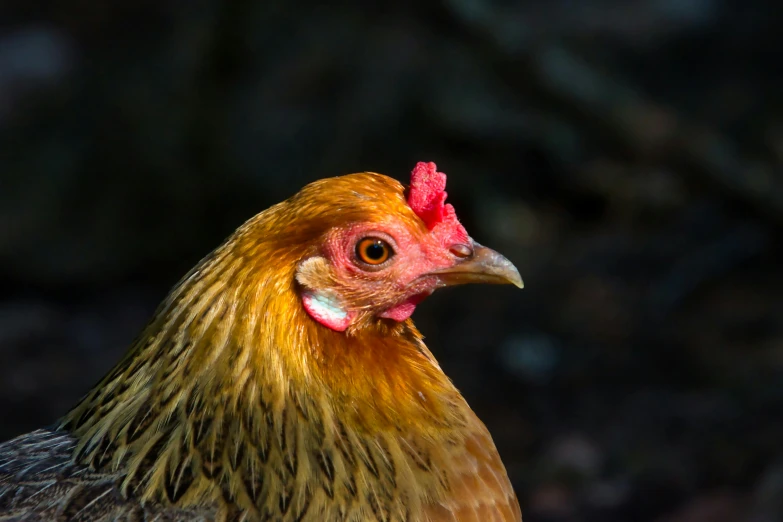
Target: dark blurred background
625	154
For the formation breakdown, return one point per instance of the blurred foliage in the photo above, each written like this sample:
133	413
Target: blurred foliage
625	154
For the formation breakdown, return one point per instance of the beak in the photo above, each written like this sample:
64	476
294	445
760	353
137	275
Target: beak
484	265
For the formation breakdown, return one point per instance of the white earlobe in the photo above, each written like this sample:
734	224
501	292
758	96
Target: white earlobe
321	304
326	310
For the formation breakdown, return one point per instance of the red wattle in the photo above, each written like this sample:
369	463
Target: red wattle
405	309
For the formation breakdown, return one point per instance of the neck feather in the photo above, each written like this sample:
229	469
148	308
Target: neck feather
232	394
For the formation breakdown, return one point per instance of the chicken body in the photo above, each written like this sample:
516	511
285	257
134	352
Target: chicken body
282	380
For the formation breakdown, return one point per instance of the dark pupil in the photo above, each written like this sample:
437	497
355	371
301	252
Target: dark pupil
375	251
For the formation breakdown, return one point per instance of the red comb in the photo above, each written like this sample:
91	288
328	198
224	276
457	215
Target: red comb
427	198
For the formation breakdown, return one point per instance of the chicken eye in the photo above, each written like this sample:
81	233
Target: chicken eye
373	251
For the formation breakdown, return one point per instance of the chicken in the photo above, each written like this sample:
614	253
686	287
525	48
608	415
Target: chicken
282	379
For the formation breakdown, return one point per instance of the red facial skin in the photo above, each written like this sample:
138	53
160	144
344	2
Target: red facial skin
395	287
391	290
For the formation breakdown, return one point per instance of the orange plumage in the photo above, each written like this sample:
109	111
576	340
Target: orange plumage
283	380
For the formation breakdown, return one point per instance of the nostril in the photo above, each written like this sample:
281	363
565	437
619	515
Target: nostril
461	250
